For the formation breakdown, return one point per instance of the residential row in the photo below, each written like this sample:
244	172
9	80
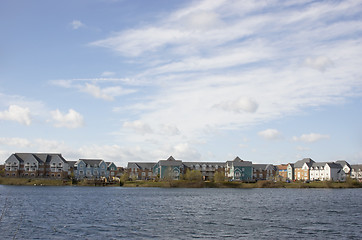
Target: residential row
50	165
240	170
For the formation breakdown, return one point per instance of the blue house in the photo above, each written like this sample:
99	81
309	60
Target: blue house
239	170
91	168
169	168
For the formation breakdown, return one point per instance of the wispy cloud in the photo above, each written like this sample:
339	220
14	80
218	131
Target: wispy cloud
311	137
76	24
93	88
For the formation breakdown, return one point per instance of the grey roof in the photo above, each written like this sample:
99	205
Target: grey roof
357	167
300	163
334	165
260	166
212	164
92	162
323	164
318	164
170	162
39	157
71	163
141	165
343	162
237	162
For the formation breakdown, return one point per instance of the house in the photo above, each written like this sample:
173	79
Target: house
356	172
36	165
168	169
282	171
112	168
91	168
264	171
290	172
141	170
327	171
239	170
345	166
301	169
207	169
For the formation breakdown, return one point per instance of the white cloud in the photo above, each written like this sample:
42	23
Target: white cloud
107	74
18	142
72	119
270	134
17	114
138	126
311	137
320	63
105	93
76	24
108	93
240	105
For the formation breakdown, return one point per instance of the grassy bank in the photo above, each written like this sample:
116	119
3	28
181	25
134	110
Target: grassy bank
181	183
51	182
34	181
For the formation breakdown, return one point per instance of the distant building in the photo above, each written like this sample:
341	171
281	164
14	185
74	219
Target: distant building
301	169
239	170
264	171
282	171
356	172
36	165
290	172
141	170
94	169
170	168
207	169
327	171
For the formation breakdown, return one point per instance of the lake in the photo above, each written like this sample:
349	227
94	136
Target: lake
35	212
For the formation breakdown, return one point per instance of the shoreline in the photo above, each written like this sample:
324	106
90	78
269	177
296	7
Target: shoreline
179	184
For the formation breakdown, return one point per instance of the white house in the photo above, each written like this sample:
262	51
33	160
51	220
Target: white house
327	171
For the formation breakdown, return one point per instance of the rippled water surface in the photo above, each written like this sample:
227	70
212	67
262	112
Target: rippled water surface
143	213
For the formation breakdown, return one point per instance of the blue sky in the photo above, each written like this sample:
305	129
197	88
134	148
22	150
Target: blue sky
269	81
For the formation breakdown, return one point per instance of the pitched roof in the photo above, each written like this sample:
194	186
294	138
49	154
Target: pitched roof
212	164
39	157
300	163
92	162
357	167
170	162
141	165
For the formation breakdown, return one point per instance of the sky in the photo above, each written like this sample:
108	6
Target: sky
137	80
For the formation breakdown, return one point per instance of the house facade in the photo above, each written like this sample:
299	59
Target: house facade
36	165
239	170
327	171
356	172
290	172
93	169
301	169
264	171
282	171
207	169
141	170
168	169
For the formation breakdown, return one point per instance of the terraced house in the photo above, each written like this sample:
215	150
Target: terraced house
36	165
94	169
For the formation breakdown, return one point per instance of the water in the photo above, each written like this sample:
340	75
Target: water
144	213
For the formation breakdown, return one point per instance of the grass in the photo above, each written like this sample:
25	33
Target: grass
183	183
34	181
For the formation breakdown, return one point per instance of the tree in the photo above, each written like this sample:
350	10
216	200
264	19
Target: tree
193	175
219	176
